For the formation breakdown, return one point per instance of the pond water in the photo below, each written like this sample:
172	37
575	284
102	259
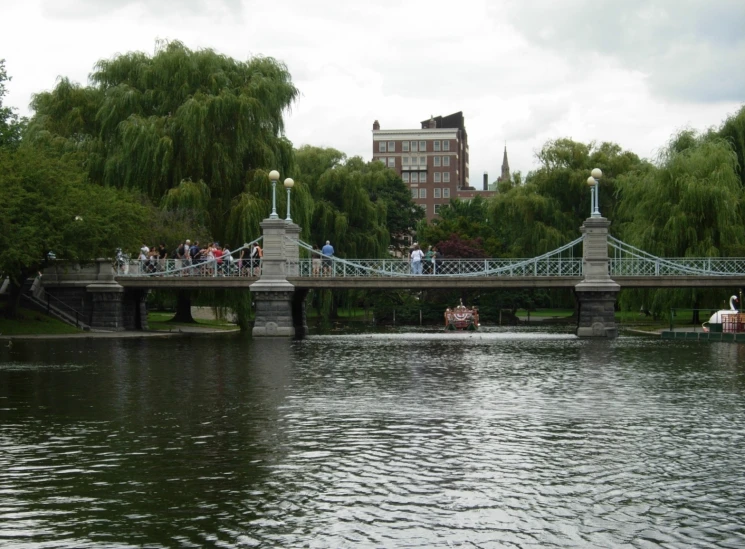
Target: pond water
417	439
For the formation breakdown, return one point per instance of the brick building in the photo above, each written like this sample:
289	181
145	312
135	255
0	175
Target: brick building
431	160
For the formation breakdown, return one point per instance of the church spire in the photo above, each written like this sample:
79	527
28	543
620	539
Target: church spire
505	167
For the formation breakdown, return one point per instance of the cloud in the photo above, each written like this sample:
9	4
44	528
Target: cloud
83	9
690	50
522	71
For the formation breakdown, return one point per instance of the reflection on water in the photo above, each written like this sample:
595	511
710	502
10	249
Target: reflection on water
501	438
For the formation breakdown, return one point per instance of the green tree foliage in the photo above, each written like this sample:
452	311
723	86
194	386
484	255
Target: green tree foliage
548	210
11	126
47	206
733	131
688	205
361	207
386	186
464	221
153	122
312	162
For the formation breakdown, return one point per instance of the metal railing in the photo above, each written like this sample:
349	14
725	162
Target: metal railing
624	260
62	308
559	262
227	265
387	268
627	260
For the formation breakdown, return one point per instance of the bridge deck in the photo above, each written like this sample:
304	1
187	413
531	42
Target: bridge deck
415	282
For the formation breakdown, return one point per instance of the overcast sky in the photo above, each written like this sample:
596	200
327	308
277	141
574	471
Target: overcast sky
522	71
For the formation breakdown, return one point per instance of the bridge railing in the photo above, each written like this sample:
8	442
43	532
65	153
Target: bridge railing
627	260
228	265
559	262
383	268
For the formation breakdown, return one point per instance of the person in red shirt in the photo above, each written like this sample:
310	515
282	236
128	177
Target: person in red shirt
218	258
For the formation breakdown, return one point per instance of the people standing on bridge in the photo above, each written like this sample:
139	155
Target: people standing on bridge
427	267
144	258
243	263
256	254
179	255
187	255
194	255
436	256
162	256
416	260
316	260
328	252
227	260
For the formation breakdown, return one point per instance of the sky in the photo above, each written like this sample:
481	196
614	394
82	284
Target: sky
523	72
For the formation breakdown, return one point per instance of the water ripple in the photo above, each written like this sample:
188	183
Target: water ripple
399	440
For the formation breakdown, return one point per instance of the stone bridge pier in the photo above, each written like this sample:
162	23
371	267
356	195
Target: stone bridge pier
596	294
280	309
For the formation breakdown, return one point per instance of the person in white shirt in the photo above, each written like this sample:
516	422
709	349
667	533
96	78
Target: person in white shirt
416	260
144	257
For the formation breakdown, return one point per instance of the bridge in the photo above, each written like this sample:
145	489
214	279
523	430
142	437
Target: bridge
629	267
595	265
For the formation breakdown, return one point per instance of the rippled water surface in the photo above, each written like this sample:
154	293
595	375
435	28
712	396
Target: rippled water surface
416	440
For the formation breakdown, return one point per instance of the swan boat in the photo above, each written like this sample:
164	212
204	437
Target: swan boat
725	320
462	318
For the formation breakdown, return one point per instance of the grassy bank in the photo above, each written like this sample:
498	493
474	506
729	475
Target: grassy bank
162	321
31	322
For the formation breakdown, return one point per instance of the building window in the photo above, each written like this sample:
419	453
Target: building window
423	161
437	159
414	177
381	146
446	177
391	146
405	177
438	192
438	177
413	147
445	160
405	146
446	145
422	146
391	161
437	208
436	146
414	193
405	159
445	193
422	177
422	193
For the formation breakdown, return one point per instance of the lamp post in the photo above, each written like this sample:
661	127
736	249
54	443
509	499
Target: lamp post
288	185
594	184
274	176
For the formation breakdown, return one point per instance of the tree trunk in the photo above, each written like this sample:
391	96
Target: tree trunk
183	307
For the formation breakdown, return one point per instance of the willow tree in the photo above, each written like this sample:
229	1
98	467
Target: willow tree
11	126
154	122
733	130
687	205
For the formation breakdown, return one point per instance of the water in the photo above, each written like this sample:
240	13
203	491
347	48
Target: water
418	440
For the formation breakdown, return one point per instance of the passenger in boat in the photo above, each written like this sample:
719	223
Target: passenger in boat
447	317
